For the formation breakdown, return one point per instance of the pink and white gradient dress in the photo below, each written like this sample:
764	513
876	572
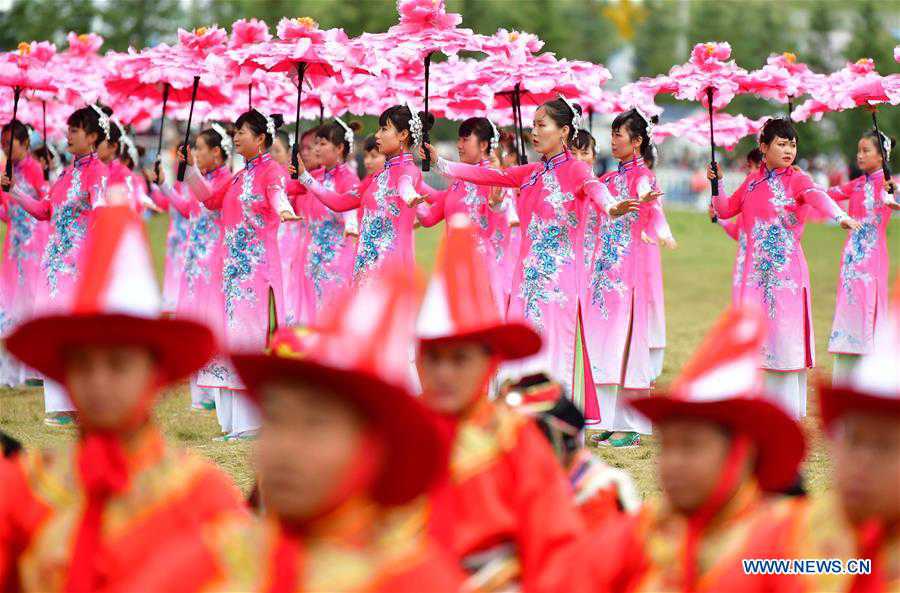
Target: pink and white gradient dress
862	290
774	275
386	218
553	196
473	202
71	200
20	277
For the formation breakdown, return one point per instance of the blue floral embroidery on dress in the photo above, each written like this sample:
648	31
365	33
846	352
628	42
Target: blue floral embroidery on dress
203	235
740	258
21	231
773	245
615	240
497	242
377	233
551	249
244	250
67	231
860	246
326	236
590	234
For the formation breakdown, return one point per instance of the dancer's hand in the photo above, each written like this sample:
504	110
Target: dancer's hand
710	175
624	207
288	216
5	181
669	242
647	239
653	194
432	152
850	224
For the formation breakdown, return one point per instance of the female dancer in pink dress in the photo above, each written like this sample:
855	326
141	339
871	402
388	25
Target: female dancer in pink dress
176	238
862	292
80	189
774	275
253	204
552	200
123	185
292	238
478	139
616	307
200	293
388	201
26	237
325	266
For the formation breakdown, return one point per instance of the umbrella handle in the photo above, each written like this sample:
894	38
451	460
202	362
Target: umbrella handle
714	182
884	157
295	151
162	122
520	131
426	136
16	92
182	166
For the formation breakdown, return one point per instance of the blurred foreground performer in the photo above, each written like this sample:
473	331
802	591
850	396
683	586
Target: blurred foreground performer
859	517
82	518
343	454
722	448
505	509
601	491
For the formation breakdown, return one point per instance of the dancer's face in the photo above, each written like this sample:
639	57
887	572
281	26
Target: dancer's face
108	383
80	142
327	153
866	460
452	374
622	145
19	149
780	153
547	137
205	157
373	161
308	152
585	156
280	152
471	149
868	157
390	141
107	151
691	458
248	143
307	445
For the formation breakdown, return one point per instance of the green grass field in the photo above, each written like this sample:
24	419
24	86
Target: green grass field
698	288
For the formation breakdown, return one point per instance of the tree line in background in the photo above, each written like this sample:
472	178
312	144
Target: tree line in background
660	32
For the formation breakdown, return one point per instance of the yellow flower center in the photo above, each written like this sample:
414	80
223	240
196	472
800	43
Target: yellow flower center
710	48
24	48
790	57
306	22
200	31
862	61
514	35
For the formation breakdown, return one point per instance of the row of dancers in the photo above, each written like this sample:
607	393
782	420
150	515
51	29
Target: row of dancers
574	255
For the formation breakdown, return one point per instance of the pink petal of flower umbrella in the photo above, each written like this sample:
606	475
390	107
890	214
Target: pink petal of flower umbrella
25	69
709	77
245	33
190	71
857	84
782	79
303	48
730	129
425	27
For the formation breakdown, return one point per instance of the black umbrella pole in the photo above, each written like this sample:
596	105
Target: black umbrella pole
295	151
47	164
182	166
426	137
885	167
714	182
17	91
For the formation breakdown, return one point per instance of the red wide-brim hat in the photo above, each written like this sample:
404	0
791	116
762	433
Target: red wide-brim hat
779	441
835	402
414	455
180	346
509	341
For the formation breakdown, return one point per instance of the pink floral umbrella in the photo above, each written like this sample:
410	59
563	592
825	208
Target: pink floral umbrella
190	71
857	84
424	27
25	69
782	79
730	129
301	48
711	78
246	33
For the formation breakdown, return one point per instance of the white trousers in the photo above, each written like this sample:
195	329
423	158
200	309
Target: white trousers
237	415
616	415
656	361
56	398
844	364
787	390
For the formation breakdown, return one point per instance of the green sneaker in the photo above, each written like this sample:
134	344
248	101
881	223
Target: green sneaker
234	438
599	437
60	420
209	405
631	439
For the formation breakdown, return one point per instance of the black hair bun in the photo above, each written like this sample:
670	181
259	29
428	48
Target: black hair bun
356	126
277	120
654	119
427	120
